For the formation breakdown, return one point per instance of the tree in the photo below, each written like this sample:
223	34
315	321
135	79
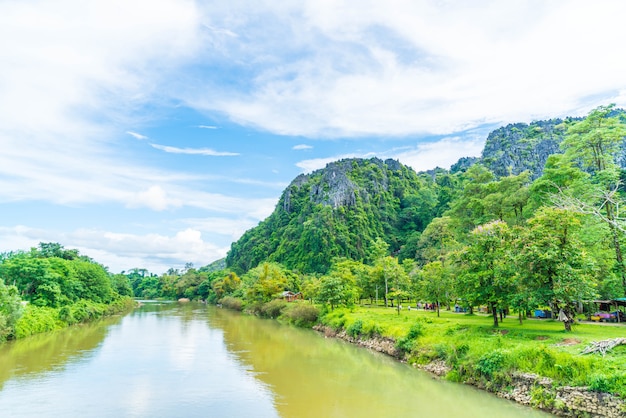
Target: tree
10	310
437	240
435	283
265	282
335	291
552	262
390	276
594	141
486	273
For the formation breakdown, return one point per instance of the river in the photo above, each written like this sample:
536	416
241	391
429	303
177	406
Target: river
192	360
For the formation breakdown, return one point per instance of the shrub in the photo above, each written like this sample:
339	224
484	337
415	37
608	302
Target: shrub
232	303
335	319
609	384
541	397
273	309
354	329
490	363
37	319
372	329
302	314
406	343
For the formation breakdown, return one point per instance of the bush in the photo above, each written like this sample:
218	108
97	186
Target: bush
273	309
354	329
335	319
232	303
608	384
406	343
490	363
372	329
302	314
37	319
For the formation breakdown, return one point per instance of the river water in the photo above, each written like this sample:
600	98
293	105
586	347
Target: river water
192	360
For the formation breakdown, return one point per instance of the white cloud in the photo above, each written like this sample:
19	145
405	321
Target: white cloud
82	69
353	68
207	127
313	164
136	135
442	153
122	251
231	228
421	157
302	147
193	151
155	198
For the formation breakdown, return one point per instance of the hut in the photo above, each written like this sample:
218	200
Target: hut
290	296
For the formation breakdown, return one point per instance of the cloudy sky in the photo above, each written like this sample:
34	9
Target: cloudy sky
152	133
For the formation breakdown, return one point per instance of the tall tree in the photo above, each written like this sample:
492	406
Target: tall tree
435	283
552	262
486	274
594	141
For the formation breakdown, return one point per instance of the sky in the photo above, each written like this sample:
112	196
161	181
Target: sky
154	133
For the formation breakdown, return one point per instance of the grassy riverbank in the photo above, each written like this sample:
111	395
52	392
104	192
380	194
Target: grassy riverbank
39	319
475	351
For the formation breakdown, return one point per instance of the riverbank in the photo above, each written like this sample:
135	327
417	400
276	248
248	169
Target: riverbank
535	364
39	319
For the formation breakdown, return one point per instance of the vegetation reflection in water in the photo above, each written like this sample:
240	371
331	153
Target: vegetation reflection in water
314	377
164	361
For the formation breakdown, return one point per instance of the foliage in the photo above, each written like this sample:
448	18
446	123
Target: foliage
490	363
301	314
273	309
553	263
36	320
407	343
339	212
232	303
10	310
355	329
486	272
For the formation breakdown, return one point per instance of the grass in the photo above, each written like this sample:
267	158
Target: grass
473	348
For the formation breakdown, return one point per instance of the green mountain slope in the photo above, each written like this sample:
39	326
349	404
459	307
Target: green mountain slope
339	211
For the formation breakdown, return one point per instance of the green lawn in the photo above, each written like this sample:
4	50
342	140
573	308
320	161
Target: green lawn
473	347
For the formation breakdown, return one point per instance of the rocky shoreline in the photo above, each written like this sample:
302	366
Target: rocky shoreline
523	388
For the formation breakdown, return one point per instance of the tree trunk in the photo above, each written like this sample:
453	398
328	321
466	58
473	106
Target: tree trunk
616	244
494	312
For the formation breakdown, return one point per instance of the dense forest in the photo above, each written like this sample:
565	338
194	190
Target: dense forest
50	287
534	222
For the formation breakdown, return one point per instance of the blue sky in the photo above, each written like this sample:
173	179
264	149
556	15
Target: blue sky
154	133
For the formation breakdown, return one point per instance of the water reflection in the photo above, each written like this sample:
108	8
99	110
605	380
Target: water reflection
316	377
171	360
52	351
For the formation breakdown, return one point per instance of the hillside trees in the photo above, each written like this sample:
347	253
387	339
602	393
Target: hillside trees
50	287
340	211
486	274
553	264
10	310
594	142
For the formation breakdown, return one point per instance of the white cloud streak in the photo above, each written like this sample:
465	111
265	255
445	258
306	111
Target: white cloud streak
137	135
302	147
194	151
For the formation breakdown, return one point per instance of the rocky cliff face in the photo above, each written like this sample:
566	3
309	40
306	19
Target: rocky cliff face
518	147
